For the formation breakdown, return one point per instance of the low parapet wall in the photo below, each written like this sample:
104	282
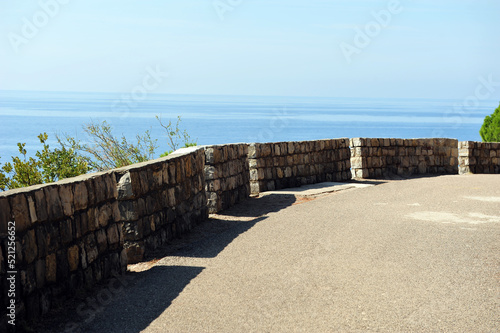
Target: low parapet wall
382	157
479	157
74	233
226	175
160	199
280	165
67	236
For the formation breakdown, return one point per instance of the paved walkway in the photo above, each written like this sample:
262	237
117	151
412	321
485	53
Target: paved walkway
419	255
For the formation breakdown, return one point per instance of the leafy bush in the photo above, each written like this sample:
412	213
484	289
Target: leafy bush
107	151
48	166
104	151
490	131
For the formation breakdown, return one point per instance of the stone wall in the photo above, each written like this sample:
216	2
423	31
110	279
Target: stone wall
287	164
377	158
76	232
79	231
226	175
479	157
67	237
161	199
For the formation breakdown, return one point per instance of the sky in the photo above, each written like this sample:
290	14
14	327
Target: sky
337	48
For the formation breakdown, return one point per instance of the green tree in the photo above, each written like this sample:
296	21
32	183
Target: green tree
490	131
48	166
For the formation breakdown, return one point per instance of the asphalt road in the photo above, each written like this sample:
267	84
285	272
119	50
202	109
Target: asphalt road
419	255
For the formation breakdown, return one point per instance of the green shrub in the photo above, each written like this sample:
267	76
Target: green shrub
490	131
103	152
106	151
48	166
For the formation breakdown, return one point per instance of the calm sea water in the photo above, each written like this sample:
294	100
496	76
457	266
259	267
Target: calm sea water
230	119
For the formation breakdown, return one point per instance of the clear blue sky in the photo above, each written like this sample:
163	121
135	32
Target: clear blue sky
434	49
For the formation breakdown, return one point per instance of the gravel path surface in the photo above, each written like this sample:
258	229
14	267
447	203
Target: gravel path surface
419	255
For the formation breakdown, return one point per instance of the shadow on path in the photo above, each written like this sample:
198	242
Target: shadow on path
146	293
210	237
145	296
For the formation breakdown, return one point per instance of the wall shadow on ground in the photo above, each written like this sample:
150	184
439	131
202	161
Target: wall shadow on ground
147	295
151	292
210	237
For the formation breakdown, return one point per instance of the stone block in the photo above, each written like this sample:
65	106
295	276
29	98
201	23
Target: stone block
66	231
188	166
84	195
133	230
80	196
102	241
209	155
150	204
124	187
54	206
73	257
144	180
104	215
179	172
135	252
361	173
357	162
264	150
100	189
128	210
111	188
77	226
20	212
51	268
171	197
157	178
30	248
210	172
66	196
32	209
5	215
19	252
254	188
91	248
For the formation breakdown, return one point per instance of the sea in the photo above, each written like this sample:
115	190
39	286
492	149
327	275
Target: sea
213	119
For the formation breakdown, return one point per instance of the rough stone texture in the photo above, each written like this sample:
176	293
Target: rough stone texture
479	157
74	233
5	215
159	200
66	195
20	212
80	196
383	157
60	235
226	175
288	164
